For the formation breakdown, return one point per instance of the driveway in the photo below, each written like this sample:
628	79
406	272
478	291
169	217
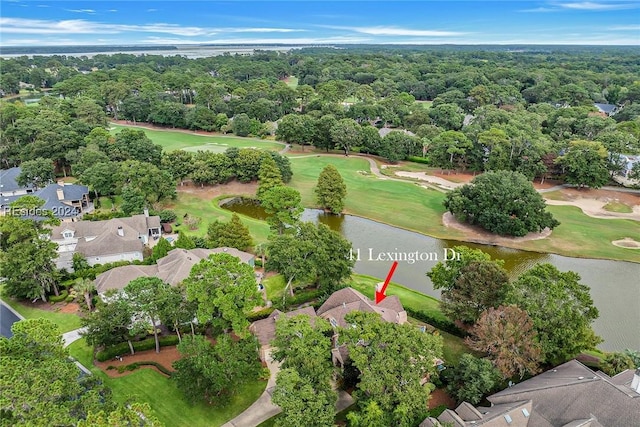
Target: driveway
8	317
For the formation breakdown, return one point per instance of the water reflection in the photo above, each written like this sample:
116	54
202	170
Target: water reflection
615	285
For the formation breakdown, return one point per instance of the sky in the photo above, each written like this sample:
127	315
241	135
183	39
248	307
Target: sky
596	22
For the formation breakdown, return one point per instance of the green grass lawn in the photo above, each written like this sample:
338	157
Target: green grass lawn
580	235
65	321
424	104
209	211
292	82
404	205
617	207
166	401
274	286
180	140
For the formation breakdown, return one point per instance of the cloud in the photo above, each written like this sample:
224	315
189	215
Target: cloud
81	26
587	5
396	31
87	11
625	28
540	10
112	10
248	41
152	10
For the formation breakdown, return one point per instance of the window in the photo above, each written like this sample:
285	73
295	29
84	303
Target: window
333	322
67	234
525	412
508	419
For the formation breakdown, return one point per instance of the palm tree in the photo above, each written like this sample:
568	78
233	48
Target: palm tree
261	251
86	287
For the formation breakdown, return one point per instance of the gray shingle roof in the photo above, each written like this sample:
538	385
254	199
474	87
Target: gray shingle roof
346	300
8	181
605	108
573	392
265	329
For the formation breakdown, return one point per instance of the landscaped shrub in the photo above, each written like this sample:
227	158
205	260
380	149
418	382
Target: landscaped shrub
69	298
123	348
103	216
443	324
167	215
63	294
417	159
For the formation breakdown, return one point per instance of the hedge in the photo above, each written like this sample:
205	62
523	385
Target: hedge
123	348
442	324
417	159
63	294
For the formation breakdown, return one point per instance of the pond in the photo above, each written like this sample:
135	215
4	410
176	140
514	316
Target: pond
615	285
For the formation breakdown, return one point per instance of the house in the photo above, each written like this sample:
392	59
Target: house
386	131
334	309
606	109
265	329
66	201
172	269
568	395
101	242
628	161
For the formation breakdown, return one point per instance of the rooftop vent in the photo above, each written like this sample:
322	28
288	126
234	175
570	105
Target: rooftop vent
580	378
120	231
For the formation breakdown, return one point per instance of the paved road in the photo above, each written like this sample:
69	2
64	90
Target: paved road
7	318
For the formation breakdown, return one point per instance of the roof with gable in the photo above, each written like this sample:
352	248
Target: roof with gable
386	131
265	329
346	300
605	108
9	180
572	392
171	269
52	201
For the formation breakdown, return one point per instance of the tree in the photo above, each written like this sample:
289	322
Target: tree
447	116
331	190
332	258
322	136
177	310
561	310
131	415
614	363
481	285
133	144
178	163
585	164
393	361
79	262
27	259
183	241
232	234
507	336
133	200
450	149
206	372
38	172
346	134
110	324
161	249
501	202
146	297
225	290
241	125
269	176
40	385
86	287
296	128
302	404
101	178
472	379
303	386
283	205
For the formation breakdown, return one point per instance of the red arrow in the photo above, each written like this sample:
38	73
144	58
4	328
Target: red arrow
380	294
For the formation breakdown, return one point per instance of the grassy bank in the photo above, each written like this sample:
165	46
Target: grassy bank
65	321
164	398
183	140
209	211
409	206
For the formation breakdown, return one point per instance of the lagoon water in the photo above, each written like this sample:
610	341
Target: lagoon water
615	285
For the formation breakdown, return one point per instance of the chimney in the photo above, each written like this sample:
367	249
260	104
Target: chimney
60	193
635	382
146	212
120	231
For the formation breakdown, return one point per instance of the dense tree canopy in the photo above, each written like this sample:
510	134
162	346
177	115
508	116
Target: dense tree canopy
331	190
561	309
502	202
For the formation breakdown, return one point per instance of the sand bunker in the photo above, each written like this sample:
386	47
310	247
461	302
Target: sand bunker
627	243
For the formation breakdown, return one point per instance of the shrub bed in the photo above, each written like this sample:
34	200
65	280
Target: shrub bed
63	294
123	348
417	159
262	314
